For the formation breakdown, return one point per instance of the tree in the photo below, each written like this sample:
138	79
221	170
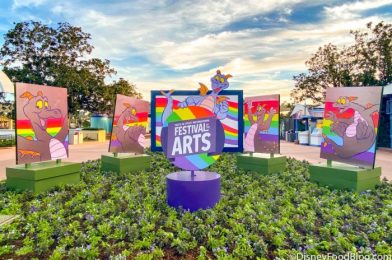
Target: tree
124	87
40	49
375	53
6	106
104	101
285	109
326	68
368	62
37	53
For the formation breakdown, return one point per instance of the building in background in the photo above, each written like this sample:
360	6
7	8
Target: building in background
6	123
304	125
6	84
385	127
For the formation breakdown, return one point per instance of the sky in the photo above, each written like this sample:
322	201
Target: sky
167	44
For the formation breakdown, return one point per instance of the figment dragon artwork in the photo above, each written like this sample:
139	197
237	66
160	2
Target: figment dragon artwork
129	125
41	123
261	124
219	111
350	125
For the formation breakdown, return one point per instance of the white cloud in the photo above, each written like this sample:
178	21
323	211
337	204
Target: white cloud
282	50
190	34
352	10
263	77
23	3
250	88
145	25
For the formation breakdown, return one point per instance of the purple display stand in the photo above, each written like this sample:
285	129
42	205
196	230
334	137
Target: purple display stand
193	192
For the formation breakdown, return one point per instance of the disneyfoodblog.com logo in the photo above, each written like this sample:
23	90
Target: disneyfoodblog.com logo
350	256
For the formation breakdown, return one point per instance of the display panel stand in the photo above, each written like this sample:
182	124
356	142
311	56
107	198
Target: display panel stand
125	162
262	163
193	190
344	177
42	176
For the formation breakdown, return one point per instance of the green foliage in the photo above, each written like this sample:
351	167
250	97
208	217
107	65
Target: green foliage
92	128
7	142
125	216
6	106
367	62
58	56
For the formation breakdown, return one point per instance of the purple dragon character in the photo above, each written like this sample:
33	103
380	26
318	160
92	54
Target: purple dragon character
212	101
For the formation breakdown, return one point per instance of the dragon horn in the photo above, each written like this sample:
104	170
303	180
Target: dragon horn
352	98
39	93
127	105
27	95
228	76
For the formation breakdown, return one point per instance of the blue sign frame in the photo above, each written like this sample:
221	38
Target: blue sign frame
239	93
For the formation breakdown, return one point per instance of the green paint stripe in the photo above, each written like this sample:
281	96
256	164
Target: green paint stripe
208	159
174	118
230	134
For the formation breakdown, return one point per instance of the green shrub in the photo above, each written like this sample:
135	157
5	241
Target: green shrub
92	129
7	142
126	216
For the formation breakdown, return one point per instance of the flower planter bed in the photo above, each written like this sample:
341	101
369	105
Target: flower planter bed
267	216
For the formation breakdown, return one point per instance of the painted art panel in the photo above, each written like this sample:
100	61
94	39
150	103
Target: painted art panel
350	125
231	118
41	123
261	124
130	122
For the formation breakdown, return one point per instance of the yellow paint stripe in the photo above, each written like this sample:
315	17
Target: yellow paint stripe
327	122
138	123
24	131
274	118
234	109
185	114
30	131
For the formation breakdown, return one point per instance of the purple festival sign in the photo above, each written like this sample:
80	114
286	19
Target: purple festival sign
192	134
192	137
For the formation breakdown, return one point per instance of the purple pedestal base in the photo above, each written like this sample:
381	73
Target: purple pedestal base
201	191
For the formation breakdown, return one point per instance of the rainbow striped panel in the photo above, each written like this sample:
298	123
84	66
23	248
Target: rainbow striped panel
230	123
350	125
24	128
269	139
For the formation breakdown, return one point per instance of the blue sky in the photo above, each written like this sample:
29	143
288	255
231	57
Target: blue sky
175	44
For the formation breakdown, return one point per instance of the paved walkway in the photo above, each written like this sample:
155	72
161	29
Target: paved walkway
312	155
77	153
94	150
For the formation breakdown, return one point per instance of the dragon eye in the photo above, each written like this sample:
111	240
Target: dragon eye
39	104
343	101
339	101
222	80
46	104
216	77
133	111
